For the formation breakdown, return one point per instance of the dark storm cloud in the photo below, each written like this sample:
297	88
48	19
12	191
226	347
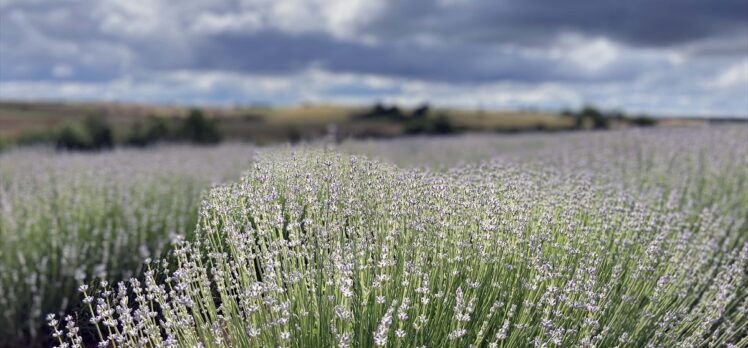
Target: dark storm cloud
273	52
279	53
450	43
469	39
634	22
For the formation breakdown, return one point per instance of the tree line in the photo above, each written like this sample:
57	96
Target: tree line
95	133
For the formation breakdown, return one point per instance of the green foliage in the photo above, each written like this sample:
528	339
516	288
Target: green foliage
382	112
153	131
420	121
599	121
35	136
589	116
393	113
421	111
293	135
198	129
74	136
419	126
99	131
440	124
93	134
643	121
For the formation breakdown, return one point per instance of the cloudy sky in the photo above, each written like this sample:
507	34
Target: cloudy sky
678	57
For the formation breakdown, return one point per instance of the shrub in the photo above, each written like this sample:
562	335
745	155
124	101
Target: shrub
599	121
74	137
67	218
440	124
588	116
100	132
643	121
421	111
416	126
316	249
293	134
136	136
381	111
94	134
153	131
156	129
197	128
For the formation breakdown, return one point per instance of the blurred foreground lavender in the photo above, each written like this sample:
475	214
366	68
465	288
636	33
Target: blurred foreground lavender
69	217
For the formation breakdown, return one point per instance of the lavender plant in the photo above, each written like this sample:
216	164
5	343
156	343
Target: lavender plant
66	219
313	248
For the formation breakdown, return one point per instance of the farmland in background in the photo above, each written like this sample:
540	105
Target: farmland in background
30	123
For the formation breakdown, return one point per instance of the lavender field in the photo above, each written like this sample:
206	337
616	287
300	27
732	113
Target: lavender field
631	238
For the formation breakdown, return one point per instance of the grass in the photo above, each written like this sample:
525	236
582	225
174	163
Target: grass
508	121
311	114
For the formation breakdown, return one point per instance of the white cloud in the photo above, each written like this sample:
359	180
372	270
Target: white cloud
132	18
341	19
316	85
344	18
591	55
211	23
62	71
734	76
137	49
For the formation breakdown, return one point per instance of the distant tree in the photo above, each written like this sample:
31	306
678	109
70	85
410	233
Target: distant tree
599	121
416	126
381	111
93	134
156	129
394	112
643	121
197	128
135	137
100	132
293	134
421	111
378	109
442	125
73	137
